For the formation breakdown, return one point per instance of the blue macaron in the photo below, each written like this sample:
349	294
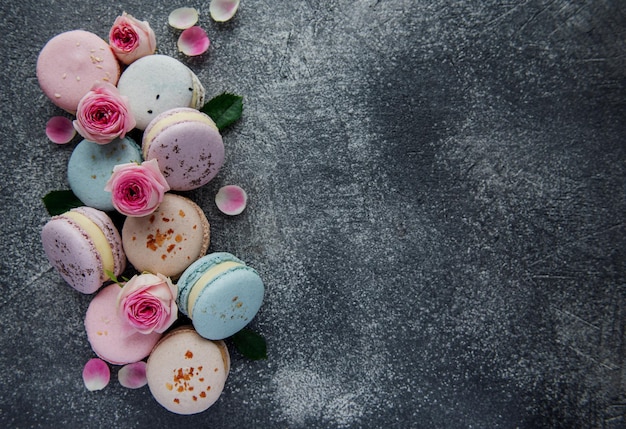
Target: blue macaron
91	166
220	294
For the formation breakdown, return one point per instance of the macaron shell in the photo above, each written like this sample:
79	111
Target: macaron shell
72	254
112	338
110	231
190	150
91	165
168	240
195	271
186	373
70	63
228	303
156	83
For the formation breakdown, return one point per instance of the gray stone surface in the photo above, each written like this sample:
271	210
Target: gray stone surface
437	197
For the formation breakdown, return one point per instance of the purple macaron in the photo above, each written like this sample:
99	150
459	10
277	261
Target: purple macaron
187	146
84	246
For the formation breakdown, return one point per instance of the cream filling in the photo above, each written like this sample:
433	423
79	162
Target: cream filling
204	279
97	236
197	95
174	119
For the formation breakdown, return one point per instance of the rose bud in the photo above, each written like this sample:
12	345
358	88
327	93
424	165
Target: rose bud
103	114
137	189
131	39
148	303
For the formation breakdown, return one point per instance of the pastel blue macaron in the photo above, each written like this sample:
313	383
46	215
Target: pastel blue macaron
220	294
91	165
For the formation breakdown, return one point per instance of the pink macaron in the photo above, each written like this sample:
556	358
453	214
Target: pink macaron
187	145
112	338
84	246
70	63
186	373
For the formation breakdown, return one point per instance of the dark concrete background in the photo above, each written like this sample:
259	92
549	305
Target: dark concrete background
437	198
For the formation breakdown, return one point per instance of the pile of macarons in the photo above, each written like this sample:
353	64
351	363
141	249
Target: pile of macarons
215	295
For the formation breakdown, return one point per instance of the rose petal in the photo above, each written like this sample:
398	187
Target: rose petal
231	199
223	10
193	41
183	18
133	375
60	130
96	374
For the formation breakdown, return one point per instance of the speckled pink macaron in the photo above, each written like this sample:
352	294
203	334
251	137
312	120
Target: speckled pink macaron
113	339
70	63
187	145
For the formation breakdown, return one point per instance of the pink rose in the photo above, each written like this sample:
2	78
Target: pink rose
131	39
148	303
137	189
103	114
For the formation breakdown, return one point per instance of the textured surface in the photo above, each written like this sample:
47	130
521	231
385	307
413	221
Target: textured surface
436	191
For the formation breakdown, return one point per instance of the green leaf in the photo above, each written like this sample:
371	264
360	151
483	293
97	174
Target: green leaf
250	344
224	109
58	202
111	275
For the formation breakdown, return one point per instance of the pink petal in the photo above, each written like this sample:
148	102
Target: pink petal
231	199
183	18
133	375
96	374
60	130
223	10
193	41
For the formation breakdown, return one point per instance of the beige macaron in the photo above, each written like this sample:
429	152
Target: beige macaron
168	240
186	373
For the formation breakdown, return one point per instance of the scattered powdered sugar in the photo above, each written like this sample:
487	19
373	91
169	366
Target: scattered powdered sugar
304	394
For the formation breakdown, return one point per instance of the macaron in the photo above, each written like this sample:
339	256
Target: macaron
70	63
187	146
156	83
186	373
220	294
83	245
168	240
112	338
91	166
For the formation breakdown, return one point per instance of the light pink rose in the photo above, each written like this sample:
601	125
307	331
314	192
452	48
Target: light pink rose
131	39
137	189
148	303
103	114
